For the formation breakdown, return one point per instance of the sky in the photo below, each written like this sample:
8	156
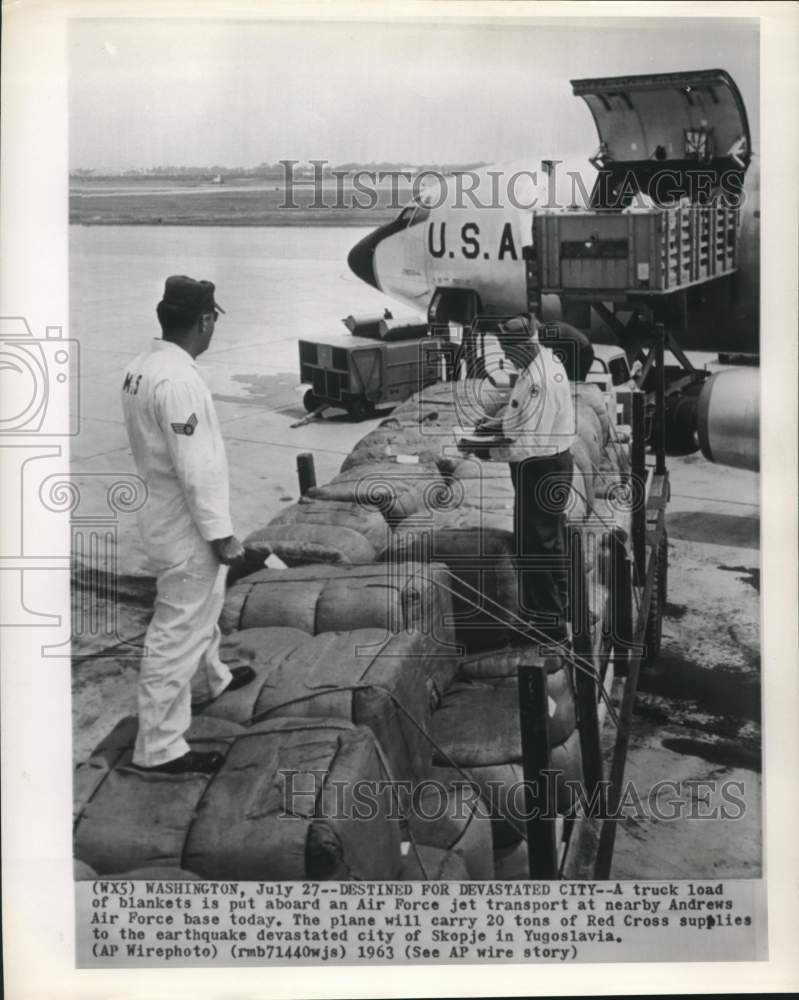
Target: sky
164	92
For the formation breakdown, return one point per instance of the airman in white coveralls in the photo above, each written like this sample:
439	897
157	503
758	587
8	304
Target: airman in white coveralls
185	525
538	428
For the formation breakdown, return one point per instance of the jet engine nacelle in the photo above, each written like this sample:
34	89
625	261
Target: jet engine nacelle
720	416
728	418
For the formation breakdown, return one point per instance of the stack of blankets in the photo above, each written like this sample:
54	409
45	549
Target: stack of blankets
386	657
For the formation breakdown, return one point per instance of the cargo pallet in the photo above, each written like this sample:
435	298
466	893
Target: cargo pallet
652	252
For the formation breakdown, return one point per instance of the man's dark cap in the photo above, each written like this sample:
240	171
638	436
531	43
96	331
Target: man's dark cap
193	296
517	329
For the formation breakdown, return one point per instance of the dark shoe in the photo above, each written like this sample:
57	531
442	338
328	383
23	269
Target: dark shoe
192	761
239	677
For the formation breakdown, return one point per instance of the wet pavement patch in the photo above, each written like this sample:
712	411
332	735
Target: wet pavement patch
654	712
714	690
274	391
716	529
751	575
674	610
724	752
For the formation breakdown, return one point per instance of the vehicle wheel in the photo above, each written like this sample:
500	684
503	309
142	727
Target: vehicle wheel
654	624
310	401
681	419
360	408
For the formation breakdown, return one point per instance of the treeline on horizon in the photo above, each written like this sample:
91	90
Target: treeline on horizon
264	171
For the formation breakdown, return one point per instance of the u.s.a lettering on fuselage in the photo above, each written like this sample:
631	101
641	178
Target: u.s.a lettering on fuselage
445	240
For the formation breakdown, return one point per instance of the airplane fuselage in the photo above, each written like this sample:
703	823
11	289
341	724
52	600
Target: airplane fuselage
677	139
483	249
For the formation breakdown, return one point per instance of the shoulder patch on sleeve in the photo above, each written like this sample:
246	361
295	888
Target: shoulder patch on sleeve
188	427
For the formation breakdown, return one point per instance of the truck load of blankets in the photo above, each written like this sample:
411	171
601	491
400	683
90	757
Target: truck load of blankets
380	739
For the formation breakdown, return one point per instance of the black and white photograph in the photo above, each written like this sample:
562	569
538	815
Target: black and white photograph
404	434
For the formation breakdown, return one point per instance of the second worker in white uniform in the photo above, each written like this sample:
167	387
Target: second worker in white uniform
538	426
185	526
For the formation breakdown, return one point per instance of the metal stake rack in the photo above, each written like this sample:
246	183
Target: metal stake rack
637	596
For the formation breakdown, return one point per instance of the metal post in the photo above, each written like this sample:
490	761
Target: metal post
469	349
679	353
542	848
532	274
638	475
660	400
607	838
306	473
622	603
585	686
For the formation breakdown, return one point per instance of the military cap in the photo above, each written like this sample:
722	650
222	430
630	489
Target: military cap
186	293
517	329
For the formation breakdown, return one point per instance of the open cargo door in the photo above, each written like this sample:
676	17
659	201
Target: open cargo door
667	135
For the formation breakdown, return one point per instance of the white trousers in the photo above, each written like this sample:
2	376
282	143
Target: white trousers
181	662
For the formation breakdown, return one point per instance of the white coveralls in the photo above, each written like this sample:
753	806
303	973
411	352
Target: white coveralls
177	446
539	420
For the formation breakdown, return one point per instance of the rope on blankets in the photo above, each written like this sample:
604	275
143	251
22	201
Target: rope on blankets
262	716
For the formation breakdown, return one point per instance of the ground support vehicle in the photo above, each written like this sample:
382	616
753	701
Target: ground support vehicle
360	373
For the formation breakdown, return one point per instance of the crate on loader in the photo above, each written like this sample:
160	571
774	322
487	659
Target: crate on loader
657	251
664	211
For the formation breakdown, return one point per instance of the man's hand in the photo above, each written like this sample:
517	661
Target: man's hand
228	550
488	425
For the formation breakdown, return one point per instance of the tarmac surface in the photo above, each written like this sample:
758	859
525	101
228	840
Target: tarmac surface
698	711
